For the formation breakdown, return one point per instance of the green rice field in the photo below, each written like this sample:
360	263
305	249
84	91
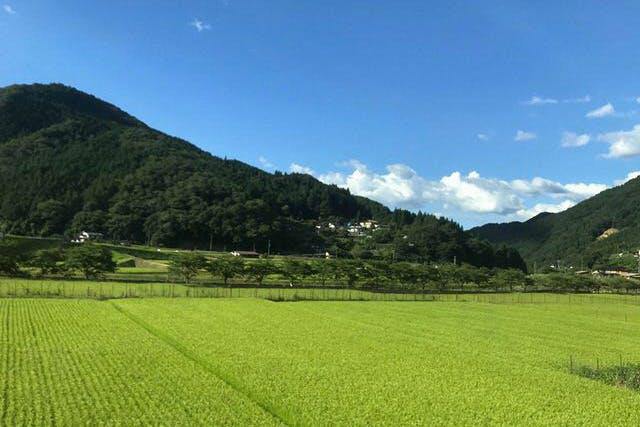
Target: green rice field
248	361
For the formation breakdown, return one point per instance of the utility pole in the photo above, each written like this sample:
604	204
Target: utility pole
455	260
269	248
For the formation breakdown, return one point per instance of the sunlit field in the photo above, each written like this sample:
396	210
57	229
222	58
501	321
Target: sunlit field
253	361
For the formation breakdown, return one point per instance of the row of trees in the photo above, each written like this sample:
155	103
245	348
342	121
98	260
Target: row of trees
381	275
93	262
348	273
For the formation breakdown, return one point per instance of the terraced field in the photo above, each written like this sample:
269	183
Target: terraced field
249	361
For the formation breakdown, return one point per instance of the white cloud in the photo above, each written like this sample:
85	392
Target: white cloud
401	186
537	100
524	136
539	208
482	136
540	187
638	100
296	168
476	194
266	163
572	139
582	100
622	144
199	25
604	111
7	8
629	177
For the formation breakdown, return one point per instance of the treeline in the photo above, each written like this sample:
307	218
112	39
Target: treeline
93	262
422	237
396	276
348	273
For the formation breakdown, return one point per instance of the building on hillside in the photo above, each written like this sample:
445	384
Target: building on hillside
246	254
355	230
86	236
369	224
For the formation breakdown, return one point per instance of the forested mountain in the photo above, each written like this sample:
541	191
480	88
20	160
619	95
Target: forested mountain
587	235
71	162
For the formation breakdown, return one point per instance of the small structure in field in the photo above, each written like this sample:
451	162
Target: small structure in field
246	254
86	236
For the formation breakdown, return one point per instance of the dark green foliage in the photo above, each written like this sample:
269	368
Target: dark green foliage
509	279
623	375
294	270
92	261
8	260
571	237
48	261
226	267
428	238
185	266
257	271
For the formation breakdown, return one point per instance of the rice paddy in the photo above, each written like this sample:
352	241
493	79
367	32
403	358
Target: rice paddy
243	361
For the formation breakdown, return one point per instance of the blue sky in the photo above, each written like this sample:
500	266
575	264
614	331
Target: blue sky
474	110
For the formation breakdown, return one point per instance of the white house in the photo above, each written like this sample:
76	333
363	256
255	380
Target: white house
86	236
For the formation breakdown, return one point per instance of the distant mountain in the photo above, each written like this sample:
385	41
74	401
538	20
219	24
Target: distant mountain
70	162
584	236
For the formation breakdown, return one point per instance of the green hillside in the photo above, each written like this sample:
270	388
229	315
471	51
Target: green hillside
576	237
71	162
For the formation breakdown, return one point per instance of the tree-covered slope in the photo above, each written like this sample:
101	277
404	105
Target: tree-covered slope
575	237
71	162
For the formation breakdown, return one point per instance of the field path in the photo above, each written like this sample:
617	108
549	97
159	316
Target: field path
84	362
184	351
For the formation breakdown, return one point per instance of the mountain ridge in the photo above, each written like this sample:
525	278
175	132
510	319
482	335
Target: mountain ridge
70	162
571	237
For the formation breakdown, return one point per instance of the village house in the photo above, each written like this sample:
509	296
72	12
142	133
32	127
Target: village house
246	254
86	236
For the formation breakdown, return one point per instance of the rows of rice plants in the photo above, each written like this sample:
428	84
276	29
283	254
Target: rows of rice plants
68	362
403	363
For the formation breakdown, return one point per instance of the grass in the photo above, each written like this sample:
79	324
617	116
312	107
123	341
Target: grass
80	289
24	288
251	361
83	363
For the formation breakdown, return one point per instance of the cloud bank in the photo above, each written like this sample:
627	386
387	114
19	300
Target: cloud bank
399	185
